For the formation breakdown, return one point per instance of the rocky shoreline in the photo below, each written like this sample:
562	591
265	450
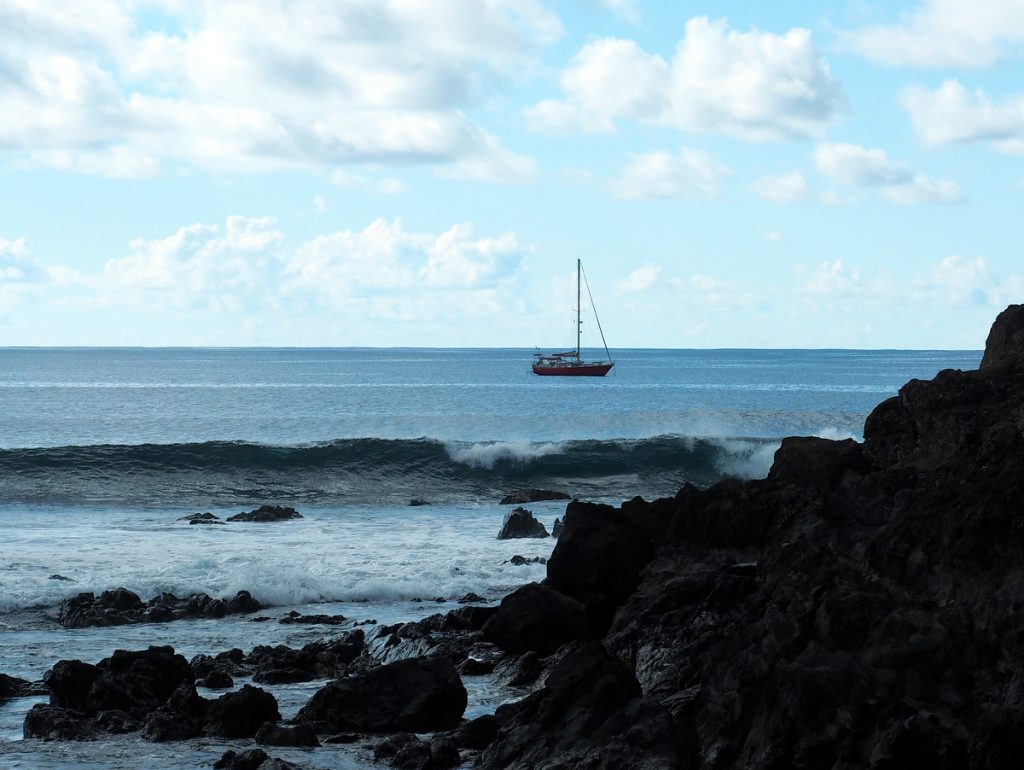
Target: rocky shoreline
858	608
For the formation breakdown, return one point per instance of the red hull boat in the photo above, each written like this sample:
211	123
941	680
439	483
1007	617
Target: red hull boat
571	363
547	367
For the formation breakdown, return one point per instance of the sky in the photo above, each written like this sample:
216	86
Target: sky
839	174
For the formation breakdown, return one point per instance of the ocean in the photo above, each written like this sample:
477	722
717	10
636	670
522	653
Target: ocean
102	451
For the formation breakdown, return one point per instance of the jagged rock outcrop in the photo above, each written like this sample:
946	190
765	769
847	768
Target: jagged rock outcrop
858	608
521	523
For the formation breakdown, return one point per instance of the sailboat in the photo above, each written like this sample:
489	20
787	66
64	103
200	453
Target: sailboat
570	363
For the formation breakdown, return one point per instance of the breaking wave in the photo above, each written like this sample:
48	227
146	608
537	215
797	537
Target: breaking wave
369	470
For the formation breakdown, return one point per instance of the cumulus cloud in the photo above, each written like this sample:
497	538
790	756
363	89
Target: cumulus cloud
945	33
641	279
755	85
783	189
16	265
690	173
198	266
384	257
871	168
951	114
246	87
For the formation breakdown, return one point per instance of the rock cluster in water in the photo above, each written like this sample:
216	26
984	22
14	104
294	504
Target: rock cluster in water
121	607
267	513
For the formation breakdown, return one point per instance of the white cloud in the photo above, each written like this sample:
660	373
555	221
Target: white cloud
642	279
951	113
247	87
16	265
691	173
783	189
773	236
868	168
384	257
386	186
755	85
946	33
199	266
627	9
833	279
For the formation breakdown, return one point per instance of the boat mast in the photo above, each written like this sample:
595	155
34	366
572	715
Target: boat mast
579	323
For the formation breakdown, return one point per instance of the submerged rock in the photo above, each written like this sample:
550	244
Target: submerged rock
520	496
201	518
520	523
266	513
520	561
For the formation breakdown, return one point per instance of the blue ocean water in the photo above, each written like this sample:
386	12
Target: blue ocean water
225	426
103	450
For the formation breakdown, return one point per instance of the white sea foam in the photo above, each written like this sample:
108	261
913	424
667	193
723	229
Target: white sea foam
746	459
378	555
486	453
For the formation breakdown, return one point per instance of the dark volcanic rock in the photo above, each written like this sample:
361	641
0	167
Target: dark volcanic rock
118	694
276	735
536	617
600	554
251	759
54	723
519	561
201	518
556	528
240	714
267	513
13	687
414	695
1006	338
322	659
520	523
590	713
858	609
477	733
217	680
122	607
520	496
317	620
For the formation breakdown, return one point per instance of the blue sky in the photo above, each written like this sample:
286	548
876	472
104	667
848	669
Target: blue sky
401	173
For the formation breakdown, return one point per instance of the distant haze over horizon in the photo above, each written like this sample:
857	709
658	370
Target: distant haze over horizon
381	174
